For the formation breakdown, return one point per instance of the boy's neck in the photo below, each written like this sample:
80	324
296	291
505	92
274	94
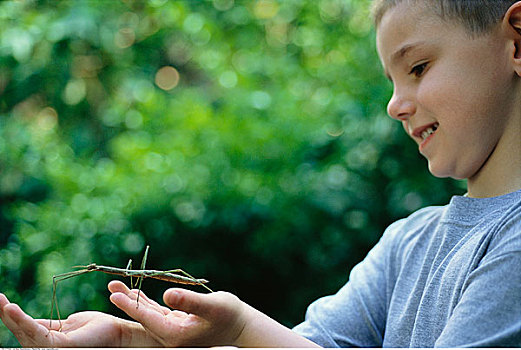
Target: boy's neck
501	174
505	183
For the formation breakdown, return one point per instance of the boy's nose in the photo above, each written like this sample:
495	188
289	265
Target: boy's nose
400	108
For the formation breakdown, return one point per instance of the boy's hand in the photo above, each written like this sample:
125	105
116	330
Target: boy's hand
83	329
196	320
205	320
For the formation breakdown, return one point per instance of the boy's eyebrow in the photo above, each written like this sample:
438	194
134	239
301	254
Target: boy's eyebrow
404	50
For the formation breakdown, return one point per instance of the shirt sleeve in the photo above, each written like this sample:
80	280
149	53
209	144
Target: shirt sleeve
356	315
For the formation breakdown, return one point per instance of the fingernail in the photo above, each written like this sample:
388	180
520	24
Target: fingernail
173	296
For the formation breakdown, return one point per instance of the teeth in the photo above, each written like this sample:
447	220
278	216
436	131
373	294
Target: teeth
429	131
426	133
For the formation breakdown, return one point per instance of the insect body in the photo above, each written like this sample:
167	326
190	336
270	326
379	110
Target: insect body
174	276
168	276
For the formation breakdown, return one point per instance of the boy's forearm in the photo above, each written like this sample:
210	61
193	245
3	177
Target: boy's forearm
262	331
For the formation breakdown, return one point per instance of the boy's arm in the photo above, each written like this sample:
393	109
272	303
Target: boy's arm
262	331
214	319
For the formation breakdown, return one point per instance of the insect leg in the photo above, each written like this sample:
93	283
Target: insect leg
186	274
129	267
54	302
140	279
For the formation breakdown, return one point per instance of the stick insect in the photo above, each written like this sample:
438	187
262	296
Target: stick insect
174	276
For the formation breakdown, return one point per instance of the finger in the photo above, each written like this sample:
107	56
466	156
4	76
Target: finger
151	302
147	315
119	287
44	322
188	301
3	302
24	327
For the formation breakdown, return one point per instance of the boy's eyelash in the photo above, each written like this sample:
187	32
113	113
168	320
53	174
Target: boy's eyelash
418	69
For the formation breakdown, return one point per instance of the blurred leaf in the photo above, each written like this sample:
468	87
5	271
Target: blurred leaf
246	142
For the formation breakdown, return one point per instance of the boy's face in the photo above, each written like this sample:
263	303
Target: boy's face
454	93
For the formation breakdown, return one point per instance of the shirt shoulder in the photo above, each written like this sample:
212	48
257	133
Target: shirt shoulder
401	235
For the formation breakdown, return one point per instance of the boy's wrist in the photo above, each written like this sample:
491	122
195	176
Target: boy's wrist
259	330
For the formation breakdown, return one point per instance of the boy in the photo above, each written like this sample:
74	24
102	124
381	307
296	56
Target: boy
446	276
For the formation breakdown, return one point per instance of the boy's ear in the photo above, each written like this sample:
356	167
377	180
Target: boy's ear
512	26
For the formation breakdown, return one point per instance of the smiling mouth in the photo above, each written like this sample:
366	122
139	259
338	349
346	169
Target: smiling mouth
429	131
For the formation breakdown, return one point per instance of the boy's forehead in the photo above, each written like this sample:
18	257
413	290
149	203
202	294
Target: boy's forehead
423	10
408	19
384	6
405	27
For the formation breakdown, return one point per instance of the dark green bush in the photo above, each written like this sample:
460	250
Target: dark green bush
246	142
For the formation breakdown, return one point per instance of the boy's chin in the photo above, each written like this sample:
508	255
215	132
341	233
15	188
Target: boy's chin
441	171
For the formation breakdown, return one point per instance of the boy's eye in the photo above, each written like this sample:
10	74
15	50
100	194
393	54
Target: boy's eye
418	69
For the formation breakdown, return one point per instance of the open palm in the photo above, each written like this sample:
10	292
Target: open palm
83	329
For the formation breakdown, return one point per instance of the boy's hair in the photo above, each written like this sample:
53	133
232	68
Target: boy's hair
477	16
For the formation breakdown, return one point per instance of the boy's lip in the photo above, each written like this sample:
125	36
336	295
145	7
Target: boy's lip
417	132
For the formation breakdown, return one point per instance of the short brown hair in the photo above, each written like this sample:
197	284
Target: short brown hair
478	16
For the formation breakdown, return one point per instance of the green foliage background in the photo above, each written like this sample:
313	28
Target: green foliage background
269	168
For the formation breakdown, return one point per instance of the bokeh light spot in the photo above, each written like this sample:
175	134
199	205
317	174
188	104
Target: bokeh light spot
228	79
133	119
223	5
125	37
74	92
193	23
260	99
167	78
265	9
133	242
80	203
47	118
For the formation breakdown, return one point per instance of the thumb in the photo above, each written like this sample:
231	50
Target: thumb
187	301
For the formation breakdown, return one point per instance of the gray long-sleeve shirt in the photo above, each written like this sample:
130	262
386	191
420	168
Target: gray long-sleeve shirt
445	276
